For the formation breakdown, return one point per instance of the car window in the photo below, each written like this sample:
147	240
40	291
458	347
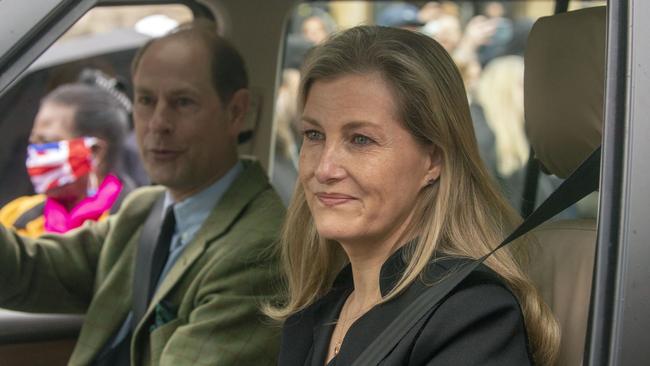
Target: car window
486	39
102	42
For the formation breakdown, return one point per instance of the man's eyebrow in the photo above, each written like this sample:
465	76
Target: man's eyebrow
140	89
173	92
180	91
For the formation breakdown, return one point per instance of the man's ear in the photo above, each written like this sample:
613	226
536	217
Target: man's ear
237	110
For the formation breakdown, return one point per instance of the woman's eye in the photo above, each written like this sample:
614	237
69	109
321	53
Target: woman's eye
314	135
361	140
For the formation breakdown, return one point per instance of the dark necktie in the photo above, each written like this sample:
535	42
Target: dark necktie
161	251
158	259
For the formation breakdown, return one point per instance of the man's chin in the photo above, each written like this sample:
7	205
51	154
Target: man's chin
166	178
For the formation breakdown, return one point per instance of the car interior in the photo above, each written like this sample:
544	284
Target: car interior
564	78
556	69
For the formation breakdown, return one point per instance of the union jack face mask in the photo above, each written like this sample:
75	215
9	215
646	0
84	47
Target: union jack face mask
55	164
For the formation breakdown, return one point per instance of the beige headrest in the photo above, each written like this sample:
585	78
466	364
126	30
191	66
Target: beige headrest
564	86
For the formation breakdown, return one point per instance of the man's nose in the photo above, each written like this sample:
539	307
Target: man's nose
330	166
161	120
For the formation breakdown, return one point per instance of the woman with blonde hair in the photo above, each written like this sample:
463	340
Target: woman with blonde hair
500	92
392	195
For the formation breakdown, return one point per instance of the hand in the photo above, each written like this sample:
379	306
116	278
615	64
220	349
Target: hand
479	30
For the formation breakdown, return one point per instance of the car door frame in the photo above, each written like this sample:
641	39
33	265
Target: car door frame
619	317
15	59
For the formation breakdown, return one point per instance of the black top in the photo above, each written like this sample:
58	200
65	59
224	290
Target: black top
478	323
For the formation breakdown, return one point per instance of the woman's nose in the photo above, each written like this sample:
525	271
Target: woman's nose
330	165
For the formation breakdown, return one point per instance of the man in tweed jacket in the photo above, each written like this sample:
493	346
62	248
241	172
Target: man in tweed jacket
190	103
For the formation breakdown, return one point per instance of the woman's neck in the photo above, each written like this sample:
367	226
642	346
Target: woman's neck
365	274
366	262
368	256
71	201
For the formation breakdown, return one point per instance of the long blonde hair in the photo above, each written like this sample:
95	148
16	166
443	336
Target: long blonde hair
500	93
465	215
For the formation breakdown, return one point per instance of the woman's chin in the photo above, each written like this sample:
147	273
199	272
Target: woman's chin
341	233
335	232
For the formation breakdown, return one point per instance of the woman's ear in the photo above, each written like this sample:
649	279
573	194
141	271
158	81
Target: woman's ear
435	166
100	156
237	111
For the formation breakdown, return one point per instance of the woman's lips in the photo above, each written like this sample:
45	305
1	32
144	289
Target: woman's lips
334	199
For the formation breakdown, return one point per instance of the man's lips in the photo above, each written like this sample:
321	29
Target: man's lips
334	199
164	154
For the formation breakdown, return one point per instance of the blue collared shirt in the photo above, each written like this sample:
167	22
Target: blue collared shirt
190	214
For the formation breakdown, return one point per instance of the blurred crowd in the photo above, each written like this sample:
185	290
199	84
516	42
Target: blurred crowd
487	44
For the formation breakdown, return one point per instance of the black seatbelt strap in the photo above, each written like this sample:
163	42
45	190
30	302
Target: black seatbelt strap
144	261
29	216
119	354
580	183
531	181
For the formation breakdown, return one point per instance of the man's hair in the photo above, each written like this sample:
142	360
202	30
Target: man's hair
97	113
227	66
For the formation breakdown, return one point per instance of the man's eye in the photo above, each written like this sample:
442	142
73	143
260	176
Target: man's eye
314	135
184	102
361	140
144	100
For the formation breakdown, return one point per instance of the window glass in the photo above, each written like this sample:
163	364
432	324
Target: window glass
148	19
97	49
486	39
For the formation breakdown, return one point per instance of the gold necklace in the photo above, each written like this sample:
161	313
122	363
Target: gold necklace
346	320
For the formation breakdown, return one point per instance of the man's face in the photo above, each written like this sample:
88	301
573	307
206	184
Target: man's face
187	136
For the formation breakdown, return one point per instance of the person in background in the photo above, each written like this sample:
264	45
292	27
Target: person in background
500	96
317	28
287	145
392	196
176	276
400	15
445	28
500	93
314	29
74	162
115	85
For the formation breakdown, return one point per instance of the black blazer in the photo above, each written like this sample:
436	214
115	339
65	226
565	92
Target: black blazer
479	323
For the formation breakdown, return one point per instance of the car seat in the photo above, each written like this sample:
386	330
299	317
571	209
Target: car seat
563	103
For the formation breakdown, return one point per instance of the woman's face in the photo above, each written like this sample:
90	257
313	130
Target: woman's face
360	168
56	122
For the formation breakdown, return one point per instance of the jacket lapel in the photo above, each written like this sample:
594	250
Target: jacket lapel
112	300
249	184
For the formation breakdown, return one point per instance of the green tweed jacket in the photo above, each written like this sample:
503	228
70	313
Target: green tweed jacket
212	293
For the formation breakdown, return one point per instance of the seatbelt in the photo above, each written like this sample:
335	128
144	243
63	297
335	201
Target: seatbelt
143	261
29	216
119	354
531	181
580	183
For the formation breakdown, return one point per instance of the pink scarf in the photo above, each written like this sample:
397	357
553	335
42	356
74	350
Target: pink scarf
59	220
